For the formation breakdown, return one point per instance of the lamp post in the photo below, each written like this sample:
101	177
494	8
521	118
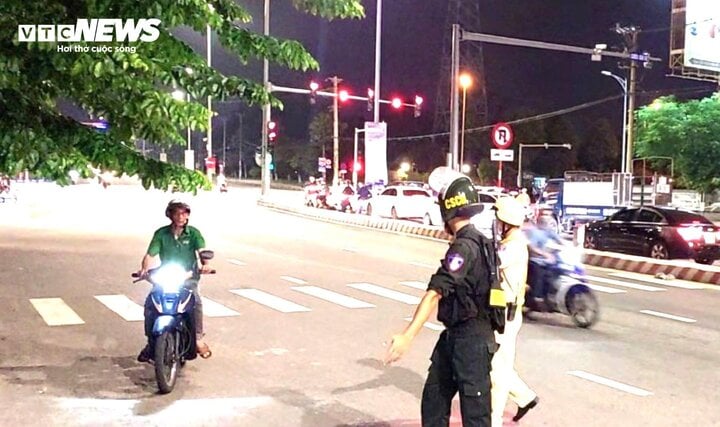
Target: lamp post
181	95
623	84
378	27
545	146
465	83
209	98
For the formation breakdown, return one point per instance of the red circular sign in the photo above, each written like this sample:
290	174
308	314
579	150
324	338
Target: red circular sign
502	135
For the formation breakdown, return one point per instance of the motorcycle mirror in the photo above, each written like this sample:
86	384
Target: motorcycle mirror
206	255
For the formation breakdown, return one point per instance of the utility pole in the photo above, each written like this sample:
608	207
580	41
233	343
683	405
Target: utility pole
264	169
209	101
336	149
224	149
240	145
631	34
378	30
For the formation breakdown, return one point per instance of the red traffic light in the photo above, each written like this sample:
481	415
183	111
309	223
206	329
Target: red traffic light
358	166
343	95
418	100
271	125
314	86
371	93
396	103
272	132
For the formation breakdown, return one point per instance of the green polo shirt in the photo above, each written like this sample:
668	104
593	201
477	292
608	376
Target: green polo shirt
182	250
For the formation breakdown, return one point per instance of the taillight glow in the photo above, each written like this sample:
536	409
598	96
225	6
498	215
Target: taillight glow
690	233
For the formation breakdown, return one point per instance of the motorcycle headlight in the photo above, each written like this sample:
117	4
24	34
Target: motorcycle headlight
170	277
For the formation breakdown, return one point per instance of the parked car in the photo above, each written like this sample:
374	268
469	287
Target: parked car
655	232
404	201
339	197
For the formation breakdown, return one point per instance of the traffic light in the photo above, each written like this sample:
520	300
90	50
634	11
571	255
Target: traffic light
418	104
272	131
370	99
314	86
343	96
396	103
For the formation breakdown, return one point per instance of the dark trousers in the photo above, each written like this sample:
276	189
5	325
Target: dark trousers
459	364
538	278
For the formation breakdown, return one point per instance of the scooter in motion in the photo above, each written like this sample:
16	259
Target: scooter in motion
568	291
173	334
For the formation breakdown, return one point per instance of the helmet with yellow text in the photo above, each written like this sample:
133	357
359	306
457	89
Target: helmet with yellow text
456	194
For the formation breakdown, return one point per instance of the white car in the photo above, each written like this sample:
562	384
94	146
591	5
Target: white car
406	202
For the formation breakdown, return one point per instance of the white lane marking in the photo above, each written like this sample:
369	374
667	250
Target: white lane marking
429	325
625	284
684	284
606	289
294	280
415	284
123	306
611	383
215	309
334	297
420	264
668	316
350	249
387	293
55	312
236	262
270	300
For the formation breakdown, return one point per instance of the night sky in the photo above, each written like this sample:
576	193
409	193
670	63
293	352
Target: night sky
516	78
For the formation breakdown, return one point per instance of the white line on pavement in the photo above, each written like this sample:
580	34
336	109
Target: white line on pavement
429	325
334	297
606	289
215	309
668	316
625	284
611	383
415	284
420	264
294	280
675	283
350	249
387	293
269	300
236	262
123	306
55	312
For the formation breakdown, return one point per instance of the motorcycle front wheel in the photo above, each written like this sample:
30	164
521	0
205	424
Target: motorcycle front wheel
584	309
167	361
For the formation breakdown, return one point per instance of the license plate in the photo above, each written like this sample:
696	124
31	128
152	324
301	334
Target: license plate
709	238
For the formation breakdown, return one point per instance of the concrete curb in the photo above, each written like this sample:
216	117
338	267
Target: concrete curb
680	269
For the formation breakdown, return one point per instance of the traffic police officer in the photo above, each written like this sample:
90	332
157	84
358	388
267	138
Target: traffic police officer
513	255
470	303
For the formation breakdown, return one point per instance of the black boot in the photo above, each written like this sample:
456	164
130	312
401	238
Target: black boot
524	410
146	354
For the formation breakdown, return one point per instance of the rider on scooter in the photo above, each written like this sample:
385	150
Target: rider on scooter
177	243
541	259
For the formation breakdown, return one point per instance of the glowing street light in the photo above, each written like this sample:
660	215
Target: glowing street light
465	83
465	168
405	167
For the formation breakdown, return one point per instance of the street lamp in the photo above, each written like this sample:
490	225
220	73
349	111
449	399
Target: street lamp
465	83
623	84
181	95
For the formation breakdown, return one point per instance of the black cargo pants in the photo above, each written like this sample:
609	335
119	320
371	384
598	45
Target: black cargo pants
460	363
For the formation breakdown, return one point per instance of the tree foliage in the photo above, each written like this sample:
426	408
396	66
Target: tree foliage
131	89
600	152
689	132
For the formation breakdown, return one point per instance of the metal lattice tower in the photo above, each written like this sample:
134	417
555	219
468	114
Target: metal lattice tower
467	14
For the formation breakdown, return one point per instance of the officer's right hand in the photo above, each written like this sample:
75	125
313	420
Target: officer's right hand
398	346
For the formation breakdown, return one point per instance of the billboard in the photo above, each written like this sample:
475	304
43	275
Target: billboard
376	152
702	34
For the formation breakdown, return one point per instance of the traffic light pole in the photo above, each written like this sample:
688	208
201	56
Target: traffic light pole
336	143
264	169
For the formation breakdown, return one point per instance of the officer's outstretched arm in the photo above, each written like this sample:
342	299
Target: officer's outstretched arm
401	342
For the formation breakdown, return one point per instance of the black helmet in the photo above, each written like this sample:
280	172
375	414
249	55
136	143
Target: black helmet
176	204
459	198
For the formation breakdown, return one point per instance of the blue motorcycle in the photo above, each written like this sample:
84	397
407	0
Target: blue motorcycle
173	333
567	289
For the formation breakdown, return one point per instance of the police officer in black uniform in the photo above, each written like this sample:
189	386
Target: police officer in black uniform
471	305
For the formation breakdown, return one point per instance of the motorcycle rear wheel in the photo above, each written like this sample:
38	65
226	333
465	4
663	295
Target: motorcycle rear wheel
584	309
167	361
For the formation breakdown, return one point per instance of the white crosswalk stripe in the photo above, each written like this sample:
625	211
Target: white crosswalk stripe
334	297
214	309
236	262
415	284
624	284
55	312
606	290
123	306
683	284
385	292
269	300
294	280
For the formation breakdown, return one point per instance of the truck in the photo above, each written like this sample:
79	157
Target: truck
581	197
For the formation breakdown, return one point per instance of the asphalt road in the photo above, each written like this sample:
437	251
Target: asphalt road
315	358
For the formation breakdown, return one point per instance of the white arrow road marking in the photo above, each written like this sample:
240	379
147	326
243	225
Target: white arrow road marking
625	284
334	297
429	325
387	293
668	316
269	300
415	284
611	383
294	280
55	312
123	306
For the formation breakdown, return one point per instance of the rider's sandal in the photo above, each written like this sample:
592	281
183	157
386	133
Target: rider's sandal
204	351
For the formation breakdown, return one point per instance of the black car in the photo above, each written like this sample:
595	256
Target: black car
660	233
